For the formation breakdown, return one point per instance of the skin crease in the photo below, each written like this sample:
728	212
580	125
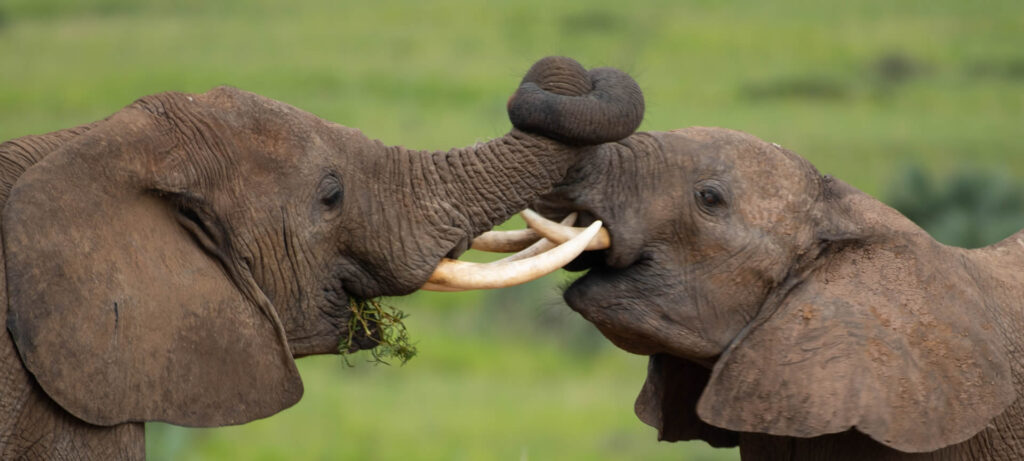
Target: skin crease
790	314
169	262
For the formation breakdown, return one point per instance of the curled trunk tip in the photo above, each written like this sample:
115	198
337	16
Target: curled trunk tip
560	99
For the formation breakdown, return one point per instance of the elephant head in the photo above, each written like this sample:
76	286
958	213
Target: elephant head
775	300
169	262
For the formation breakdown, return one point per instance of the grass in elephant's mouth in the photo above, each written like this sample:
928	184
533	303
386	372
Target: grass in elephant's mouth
378	328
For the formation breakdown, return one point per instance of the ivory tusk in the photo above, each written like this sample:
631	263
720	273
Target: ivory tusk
559	233
435	287
511	241
537	248
461	275
505	241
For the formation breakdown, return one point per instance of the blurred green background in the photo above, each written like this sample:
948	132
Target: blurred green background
897	98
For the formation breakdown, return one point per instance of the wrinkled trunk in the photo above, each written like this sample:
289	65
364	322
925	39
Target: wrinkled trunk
483	185
424	205
558	110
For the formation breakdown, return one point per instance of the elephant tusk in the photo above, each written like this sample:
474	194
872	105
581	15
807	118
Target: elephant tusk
505	241
511	241
435	287
538	247
453	275
560	233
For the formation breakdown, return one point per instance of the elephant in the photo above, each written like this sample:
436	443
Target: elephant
170	262
788	313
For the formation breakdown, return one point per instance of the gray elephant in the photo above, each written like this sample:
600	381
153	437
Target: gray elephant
169	262
790	314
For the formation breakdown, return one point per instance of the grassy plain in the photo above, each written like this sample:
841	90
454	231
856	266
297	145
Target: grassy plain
862	89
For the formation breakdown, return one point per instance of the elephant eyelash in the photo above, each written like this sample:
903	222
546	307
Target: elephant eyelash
331	191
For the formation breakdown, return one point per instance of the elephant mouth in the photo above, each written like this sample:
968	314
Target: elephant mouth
610	257
543	248
607	251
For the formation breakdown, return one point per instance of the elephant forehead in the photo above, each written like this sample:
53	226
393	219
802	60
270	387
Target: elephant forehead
770	185
266	129
773	188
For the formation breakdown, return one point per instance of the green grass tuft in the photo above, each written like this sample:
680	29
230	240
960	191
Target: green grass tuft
380	327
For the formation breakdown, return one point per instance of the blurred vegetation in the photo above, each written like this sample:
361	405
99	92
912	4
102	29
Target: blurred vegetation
968	209
856	87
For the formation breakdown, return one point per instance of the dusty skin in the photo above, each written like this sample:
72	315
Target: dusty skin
789	314
169	262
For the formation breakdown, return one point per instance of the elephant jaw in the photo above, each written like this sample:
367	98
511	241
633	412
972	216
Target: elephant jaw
541	250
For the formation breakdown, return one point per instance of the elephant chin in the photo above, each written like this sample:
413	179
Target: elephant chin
598	297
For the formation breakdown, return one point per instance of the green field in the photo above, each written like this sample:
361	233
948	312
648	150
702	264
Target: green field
863	89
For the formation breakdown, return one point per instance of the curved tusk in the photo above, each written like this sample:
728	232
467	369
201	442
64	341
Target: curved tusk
537	248
435	287
559	233
461	275
505	241
511	241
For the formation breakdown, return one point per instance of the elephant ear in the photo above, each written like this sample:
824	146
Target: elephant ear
118	303
888	333
668	402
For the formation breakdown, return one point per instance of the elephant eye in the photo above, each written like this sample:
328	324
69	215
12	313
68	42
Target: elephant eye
331	192
332	198
709	198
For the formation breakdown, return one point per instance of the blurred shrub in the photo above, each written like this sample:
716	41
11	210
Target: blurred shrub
968	208
878	77
797	87
1007	68
893	68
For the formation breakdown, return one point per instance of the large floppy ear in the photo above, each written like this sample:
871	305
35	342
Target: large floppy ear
887	332
118	302
668	402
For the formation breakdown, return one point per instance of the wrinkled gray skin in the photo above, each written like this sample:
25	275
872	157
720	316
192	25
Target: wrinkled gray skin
168	263
790	314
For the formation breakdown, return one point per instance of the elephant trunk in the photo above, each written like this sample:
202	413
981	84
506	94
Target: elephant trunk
442	200
558	110
559	99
